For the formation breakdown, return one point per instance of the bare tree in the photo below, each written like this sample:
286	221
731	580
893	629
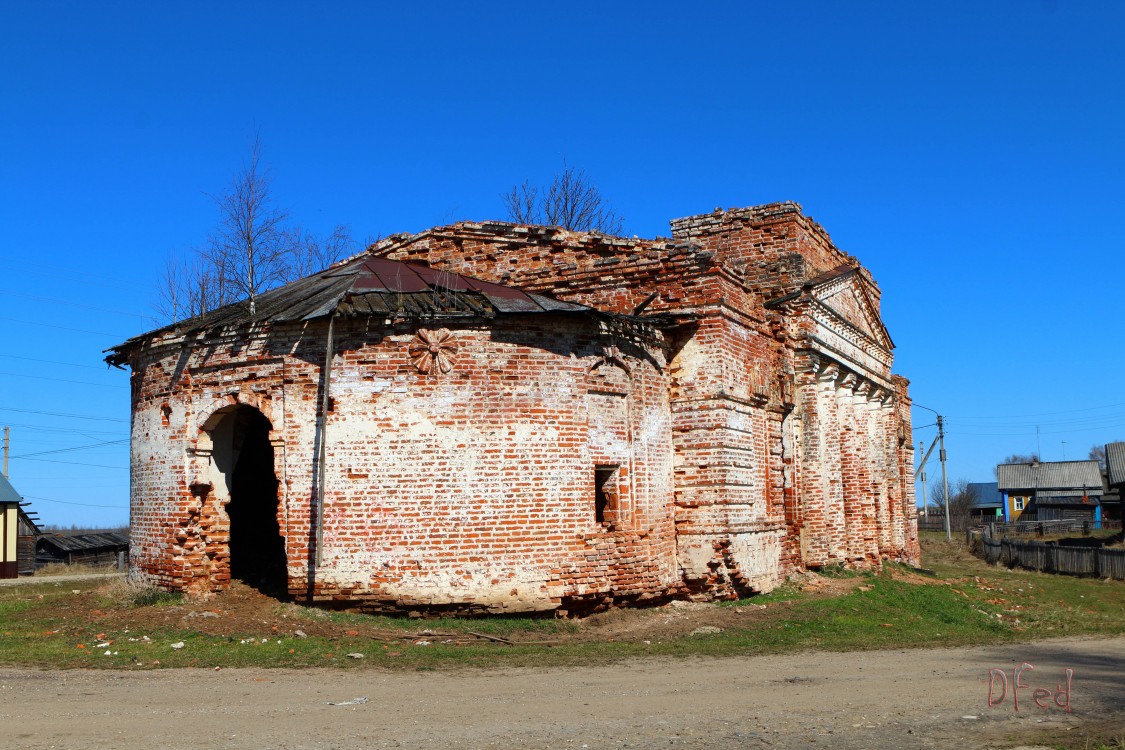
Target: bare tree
251	250
190	286
1097	453
250	246
1017	458
309	253
571	201
964	496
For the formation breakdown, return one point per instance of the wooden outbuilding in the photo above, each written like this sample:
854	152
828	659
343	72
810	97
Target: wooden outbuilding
80	549
17	533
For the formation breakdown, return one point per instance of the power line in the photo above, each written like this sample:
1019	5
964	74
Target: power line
75	448
63	414
73	463
65	502
84	433
1042	414
78	485
117	336
102	368
1089	421
77	304
63	380
68	271
1021	433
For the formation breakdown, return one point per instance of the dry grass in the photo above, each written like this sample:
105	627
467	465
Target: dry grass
127	593
51	570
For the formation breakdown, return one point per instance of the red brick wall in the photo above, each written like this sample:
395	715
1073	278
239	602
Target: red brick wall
744	446
774	247
750	434
473	489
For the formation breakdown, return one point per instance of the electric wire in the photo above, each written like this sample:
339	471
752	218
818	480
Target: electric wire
73	463
116	336
63	380
66	502
63	414
74	448
68	303
104	367
83	432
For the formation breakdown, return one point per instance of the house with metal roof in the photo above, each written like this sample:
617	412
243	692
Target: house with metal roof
1115	464
1051	490
18	531
988	503
1115	479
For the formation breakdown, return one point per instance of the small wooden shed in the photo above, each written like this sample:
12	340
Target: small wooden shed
80	549
17	534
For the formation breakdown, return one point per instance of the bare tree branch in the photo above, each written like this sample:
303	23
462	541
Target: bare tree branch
522	205
251	250
190	286
250	243
571	201
964	496
1097	453
309	253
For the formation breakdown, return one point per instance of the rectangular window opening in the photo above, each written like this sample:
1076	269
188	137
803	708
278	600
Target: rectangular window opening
606	494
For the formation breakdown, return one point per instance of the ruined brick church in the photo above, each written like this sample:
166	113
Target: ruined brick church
497	417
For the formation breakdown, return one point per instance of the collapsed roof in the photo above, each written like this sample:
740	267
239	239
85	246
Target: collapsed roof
369	286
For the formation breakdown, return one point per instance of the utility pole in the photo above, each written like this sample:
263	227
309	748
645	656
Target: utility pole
925	503
944	478
939	441
7	440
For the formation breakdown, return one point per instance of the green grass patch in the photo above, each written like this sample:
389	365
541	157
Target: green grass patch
884	613
964	602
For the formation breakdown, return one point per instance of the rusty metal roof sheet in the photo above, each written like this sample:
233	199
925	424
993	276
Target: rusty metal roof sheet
368	285
1050	475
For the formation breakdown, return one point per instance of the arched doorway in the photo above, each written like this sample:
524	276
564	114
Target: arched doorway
243	467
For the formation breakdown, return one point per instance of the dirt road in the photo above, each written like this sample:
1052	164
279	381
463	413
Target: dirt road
932	698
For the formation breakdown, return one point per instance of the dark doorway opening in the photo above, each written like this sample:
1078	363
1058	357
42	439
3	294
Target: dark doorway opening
257	551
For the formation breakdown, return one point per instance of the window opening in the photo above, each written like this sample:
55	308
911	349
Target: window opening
606	493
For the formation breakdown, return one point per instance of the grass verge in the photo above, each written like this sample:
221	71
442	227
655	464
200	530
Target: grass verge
965	602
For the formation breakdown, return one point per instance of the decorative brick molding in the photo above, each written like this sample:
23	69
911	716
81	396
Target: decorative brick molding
432	351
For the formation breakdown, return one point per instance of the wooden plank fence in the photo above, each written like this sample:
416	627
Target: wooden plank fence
1026	528
1040	528
1053	558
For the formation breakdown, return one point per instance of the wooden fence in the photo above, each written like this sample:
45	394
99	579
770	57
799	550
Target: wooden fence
1053	558
1042	528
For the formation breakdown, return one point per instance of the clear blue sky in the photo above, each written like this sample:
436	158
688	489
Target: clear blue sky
970	154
